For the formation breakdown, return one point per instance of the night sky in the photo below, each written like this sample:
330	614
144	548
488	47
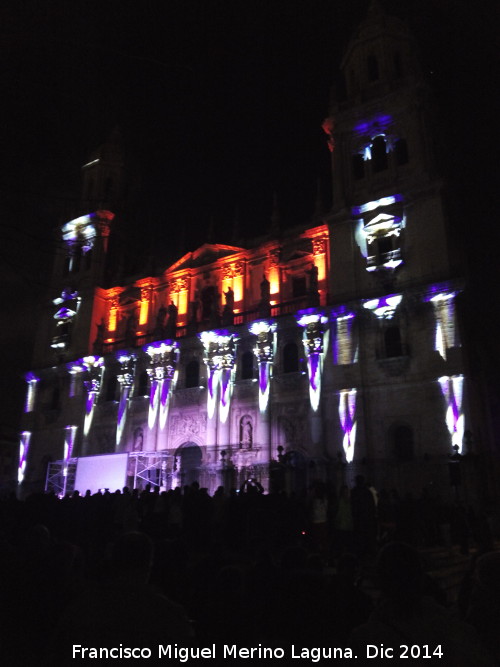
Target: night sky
219	105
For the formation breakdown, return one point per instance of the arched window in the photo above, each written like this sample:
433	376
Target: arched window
192	374
372	67
401	151
247	360
379	154
290	358
402	443
392	342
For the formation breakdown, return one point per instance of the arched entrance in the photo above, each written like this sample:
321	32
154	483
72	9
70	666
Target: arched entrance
189	458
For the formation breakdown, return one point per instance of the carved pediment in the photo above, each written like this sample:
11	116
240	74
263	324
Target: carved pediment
205	255
298	250
130	295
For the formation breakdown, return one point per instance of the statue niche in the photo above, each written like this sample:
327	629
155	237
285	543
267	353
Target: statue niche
246	432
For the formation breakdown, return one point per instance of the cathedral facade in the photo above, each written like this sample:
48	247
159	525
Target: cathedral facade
322	352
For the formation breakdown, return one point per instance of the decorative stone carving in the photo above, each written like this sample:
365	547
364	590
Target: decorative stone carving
187	425
319	246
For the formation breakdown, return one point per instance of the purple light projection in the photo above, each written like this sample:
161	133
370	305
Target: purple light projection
220	358
343	349
452	390
373	126
315	342
94	367
122	409
24	445
376	203
31	380
443	302
385	306
153	402
163	363
166	384
264	351
347	411
69	439
126	380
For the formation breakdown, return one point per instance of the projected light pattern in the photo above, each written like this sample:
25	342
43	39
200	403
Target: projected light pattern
32	381
373	127
343	349
264	351
315	340
220	360
210	341
69	441
347	413
376	203
167	386
163	375
444	312
452	390
94	368
384	307
80	231
126	380
226	386
24	445
154	393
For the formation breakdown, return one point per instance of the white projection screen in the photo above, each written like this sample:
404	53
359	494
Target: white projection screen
108	471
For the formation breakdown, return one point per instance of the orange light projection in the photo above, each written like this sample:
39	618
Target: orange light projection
274	279
183	302
238	288
320	263
112	319
143	314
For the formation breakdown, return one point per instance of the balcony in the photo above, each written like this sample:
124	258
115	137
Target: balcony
191	329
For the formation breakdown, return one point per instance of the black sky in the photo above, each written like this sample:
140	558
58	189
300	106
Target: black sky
219	105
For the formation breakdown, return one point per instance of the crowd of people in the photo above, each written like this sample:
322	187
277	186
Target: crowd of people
151	567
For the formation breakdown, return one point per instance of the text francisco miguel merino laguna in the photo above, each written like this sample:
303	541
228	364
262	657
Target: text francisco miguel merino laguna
226	651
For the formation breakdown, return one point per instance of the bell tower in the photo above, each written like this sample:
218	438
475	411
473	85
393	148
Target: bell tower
102	175
387	210
67	326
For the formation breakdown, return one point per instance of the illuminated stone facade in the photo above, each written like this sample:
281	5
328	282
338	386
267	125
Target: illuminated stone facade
330	350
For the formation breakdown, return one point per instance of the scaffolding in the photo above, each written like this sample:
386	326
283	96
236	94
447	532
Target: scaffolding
153	468
144	468
60	477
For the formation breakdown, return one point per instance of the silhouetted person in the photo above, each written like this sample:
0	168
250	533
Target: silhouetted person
124	609
405	616
484	607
